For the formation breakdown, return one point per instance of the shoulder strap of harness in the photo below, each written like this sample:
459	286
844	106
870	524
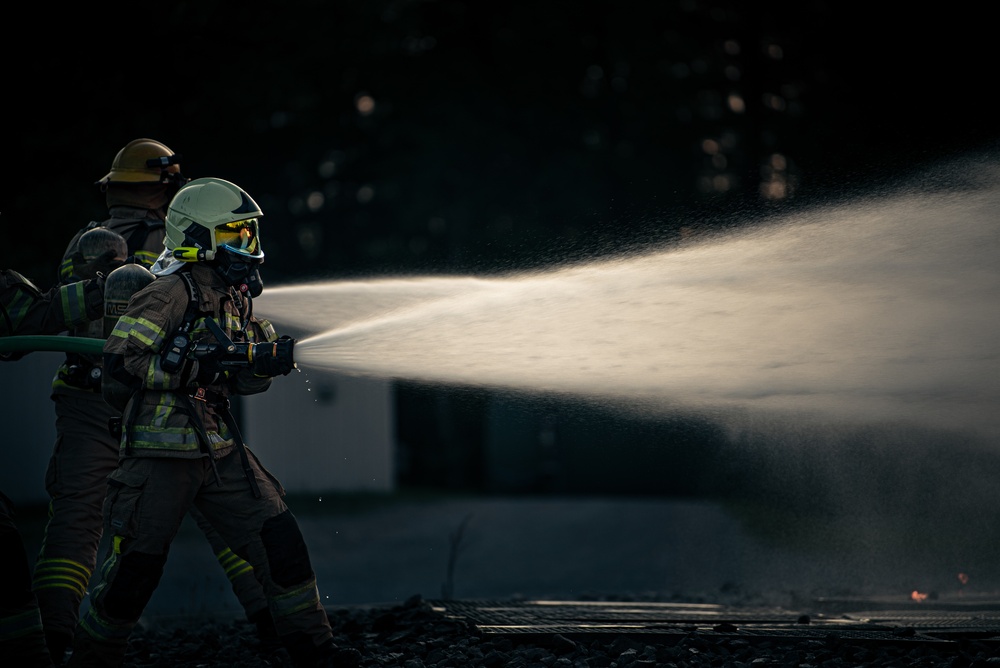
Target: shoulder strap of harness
138	237
221	409
194	302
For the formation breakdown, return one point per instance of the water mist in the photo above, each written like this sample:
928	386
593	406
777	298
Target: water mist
884	309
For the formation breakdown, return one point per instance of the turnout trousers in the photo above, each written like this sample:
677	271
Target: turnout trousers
146	502
21	639
85	454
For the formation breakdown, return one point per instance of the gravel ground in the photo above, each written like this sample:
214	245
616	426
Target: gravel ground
414	635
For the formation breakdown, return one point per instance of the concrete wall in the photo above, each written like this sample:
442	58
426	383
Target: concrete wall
321	432
315	432
28	420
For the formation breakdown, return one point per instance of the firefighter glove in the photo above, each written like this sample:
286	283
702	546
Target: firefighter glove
274	359
209	365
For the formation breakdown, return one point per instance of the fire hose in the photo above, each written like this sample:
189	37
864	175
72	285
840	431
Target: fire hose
228	353
119	287
51	343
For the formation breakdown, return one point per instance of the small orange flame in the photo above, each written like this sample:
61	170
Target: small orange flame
918	596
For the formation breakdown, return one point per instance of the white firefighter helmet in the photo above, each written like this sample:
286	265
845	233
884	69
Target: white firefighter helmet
209	216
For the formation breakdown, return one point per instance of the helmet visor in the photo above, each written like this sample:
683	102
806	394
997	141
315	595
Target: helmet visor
240	237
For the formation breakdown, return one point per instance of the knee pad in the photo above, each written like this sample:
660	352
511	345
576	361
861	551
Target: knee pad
286	550
133	585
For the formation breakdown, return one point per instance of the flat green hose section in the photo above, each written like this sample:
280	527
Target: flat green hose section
41	342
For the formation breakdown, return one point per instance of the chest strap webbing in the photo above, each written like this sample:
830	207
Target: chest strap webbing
222	410
218	403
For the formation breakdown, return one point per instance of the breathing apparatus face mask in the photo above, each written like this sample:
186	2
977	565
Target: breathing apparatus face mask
239	255
241	272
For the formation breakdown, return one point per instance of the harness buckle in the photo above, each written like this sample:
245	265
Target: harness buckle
210	398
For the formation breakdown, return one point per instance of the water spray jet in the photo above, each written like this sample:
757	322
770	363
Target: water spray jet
880	311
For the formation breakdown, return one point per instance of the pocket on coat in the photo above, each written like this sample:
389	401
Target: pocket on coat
121	505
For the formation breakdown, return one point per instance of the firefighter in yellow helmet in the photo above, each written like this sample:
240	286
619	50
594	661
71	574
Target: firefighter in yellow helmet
181	447
144	176
26	310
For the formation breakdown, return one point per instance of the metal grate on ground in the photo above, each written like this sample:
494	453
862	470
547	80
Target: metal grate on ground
674	621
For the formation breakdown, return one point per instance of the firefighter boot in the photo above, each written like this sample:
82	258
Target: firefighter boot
28	651
267	633
306	655
58	642
88	653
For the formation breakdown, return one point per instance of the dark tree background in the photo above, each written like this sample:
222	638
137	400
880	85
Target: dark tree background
452	136
398	136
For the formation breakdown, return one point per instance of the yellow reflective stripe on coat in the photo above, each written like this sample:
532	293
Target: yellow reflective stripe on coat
164	409
66	269
268	328
181	439
73	302
142	330
18	307
230	323
146	258
156	377
177	439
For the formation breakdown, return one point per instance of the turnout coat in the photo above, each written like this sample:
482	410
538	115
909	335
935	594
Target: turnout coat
172	414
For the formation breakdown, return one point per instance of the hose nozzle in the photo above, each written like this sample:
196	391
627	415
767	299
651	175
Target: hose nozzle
280	350
277	353
267	358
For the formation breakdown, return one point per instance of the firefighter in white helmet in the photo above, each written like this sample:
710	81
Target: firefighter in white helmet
180	445
144	176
